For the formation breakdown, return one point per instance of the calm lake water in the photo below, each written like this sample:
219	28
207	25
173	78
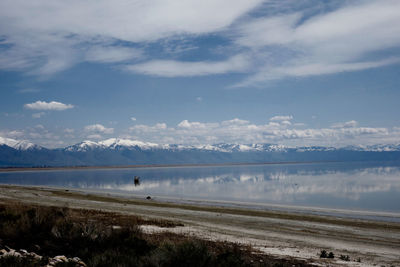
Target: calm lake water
354	186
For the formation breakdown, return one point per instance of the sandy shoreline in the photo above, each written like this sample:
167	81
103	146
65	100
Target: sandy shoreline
276	232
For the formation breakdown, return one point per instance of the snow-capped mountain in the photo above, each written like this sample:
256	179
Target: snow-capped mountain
376	148
114	143
116	151
223	147
118	143
18	144
314	148
82	146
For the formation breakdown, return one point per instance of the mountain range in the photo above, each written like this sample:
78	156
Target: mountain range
114	152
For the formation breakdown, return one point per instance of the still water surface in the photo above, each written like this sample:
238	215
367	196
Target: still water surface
354	186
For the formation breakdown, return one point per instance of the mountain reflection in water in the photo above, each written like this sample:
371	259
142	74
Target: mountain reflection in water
364	186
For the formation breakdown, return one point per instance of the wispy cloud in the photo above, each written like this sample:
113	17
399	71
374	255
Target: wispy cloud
37	134
172	68
311	69
12	134
347	124
43	105
279	131
98	128
236	130
95	136
48	36
281	118
342	40
142	128
111	54
29	90
38	115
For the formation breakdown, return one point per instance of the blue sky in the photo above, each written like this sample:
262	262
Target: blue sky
200	72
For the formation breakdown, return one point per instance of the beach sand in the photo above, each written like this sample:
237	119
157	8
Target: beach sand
277	232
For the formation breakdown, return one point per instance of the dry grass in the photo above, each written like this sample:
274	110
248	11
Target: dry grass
90	235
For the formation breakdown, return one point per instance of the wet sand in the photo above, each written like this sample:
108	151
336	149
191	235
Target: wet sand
277	232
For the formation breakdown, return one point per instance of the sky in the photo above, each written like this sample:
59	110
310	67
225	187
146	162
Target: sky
200	72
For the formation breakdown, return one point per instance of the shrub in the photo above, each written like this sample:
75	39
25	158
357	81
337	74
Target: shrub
188	253
231	257
345	257
15	261
324	254
90	235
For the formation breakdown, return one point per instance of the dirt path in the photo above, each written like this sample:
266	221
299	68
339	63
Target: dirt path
275	232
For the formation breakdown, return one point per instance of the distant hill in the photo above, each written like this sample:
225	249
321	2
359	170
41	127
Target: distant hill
114	152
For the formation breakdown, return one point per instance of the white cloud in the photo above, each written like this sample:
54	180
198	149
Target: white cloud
341	40
311	69
145	128
229	131
348	124
172	68
95	136
45	37
48	36
98	128
234	121
130	21
264	31
287	123
38	115
15	134
281	118
111	54
39	135
185	124
282	132
69	133
43	105
133	119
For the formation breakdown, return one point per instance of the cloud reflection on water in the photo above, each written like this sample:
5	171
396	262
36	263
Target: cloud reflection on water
345	185
284	187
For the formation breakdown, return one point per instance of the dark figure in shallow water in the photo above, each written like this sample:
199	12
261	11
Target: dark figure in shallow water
136	180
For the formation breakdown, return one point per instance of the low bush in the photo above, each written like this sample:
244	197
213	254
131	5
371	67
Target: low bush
14	261
90	235
344	257
325	254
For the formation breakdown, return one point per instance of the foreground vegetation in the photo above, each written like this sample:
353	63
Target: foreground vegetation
111	239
